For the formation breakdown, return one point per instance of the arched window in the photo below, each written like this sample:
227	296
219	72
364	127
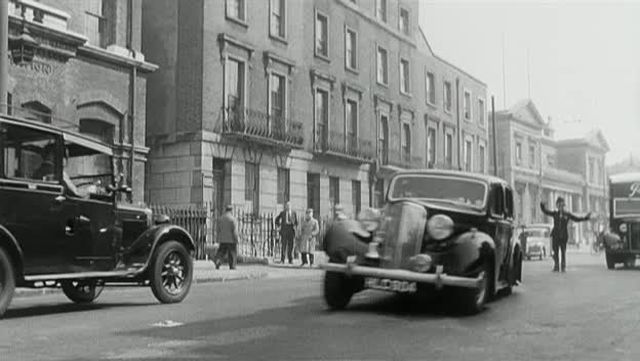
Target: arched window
37	111
98	129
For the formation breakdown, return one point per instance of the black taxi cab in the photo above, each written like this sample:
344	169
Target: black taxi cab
622	241
438	230
61	224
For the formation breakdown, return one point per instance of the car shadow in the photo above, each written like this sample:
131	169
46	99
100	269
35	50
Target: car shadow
62	308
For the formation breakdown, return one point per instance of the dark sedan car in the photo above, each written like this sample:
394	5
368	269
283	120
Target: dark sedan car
438	229
61	224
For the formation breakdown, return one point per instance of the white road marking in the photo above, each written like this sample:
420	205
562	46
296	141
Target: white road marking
167	323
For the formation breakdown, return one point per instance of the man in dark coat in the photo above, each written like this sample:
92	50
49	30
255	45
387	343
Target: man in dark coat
228	238
560	234
287	220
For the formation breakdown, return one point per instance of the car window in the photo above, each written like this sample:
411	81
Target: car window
508	210
497	201
29	154
89	170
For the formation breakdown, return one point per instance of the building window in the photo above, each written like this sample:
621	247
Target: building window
431	147
404	76
235	85
283	185
334	191
381	10
383	71
94	23
532	155
431	89
9	104
404	21
481	158
236	10
448	150
591	170
551	162
351	49
37	111
518	152
252	185
448	101
406	142
467	105
277	99
468	155
98	129
322	116
278	21
383	141
322	44
356	197
352	124
482	112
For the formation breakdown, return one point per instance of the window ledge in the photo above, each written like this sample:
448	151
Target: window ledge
406	94
279	39
431	105
352	70
447	111
386	85
323	57
237	21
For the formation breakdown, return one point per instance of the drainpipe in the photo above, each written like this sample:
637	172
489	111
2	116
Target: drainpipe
495	136
4	55
458	121
132	94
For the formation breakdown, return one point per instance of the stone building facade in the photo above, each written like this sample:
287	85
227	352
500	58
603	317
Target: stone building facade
541	168
314	102
87	74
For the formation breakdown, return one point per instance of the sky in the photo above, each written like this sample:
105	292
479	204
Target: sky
578	61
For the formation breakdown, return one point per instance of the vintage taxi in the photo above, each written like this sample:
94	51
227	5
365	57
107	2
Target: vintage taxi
62	225
622	241
538	240
438	230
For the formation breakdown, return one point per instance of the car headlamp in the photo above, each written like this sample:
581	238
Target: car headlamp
440	227
623	228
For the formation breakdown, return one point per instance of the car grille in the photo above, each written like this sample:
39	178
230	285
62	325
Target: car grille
402	230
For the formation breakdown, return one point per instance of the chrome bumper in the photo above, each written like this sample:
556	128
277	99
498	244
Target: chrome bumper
438	278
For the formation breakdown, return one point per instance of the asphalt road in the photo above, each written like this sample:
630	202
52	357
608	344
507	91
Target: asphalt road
588	313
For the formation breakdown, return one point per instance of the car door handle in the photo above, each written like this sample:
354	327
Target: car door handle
60	199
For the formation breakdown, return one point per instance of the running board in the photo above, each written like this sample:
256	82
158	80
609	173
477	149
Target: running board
66	276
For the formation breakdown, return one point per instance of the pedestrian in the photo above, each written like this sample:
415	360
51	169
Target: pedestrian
227	238
309	229
288	222
523	239
560	233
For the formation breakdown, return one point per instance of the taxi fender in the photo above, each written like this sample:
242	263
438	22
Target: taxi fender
473	249
10	244
143	248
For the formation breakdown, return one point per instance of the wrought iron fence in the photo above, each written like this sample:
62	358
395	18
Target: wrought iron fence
254	123
349	145
259	236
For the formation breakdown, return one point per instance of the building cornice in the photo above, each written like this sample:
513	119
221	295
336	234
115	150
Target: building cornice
94	52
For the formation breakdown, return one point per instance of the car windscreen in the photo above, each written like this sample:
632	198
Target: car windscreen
439	188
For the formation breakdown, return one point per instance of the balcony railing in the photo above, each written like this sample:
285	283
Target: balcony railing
344	146
396	158
262	127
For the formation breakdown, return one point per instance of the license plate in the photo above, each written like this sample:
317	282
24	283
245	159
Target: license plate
389	285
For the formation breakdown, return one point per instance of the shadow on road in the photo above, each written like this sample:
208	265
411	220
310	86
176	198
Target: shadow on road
60	308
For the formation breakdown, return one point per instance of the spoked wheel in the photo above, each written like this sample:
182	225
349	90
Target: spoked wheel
82	291
7	281
171	272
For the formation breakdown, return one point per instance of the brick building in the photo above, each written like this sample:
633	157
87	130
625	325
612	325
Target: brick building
316	102
87	74
541	168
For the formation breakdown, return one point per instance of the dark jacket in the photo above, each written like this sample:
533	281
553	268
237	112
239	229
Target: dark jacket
228	229
289	227
561	222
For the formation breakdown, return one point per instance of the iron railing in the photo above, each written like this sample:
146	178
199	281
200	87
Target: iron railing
261	126
341	145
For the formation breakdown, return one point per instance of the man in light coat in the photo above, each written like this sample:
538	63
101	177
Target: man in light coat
227	238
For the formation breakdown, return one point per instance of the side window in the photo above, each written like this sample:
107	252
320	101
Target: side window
29	154
508	207
497	201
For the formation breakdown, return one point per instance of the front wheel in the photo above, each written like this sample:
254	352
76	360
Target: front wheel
82	291
171	272
338	290
7	281
473	300
611	262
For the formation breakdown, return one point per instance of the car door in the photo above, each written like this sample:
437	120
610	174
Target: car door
500	224
32	205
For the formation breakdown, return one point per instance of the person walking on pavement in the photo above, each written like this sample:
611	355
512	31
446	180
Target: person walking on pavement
559	233
227	238
309	229
287	221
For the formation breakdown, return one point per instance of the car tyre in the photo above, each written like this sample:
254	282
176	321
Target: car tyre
171	272
338	290
611	261
82	291
473	300
630	262
7	281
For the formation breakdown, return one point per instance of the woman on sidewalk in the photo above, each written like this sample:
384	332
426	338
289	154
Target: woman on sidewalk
309	229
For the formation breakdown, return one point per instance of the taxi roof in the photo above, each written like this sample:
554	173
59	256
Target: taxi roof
469	175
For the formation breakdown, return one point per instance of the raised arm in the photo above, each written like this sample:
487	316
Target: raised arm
575	218
544	209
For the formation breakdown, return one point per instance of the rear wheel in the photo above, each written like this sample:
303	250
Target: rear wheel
630	262
611	261
7	281
338	290
85	291
171	272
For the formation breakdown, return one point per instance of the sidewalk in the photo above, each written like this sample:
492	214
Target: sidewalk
206	272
